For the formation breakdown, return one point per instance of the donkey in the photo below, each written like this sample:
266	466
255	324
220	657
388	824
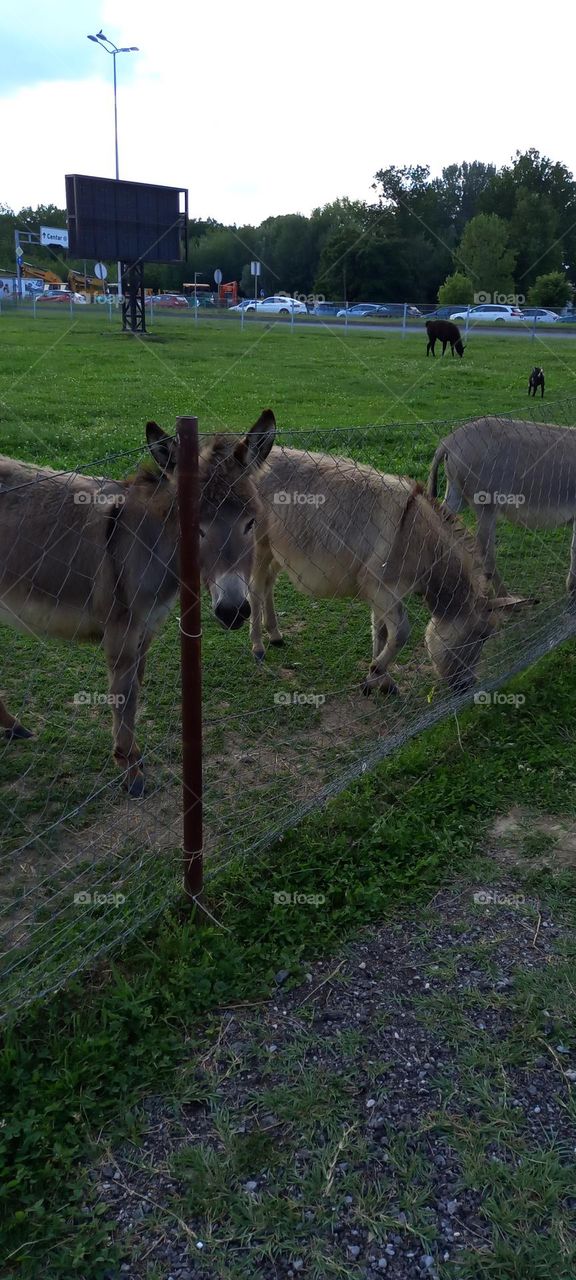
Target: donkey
524	471
98	560
341	529
444	331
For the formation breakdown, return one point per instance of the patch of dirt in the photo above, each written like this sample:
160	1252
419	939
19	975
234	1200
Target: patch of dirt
518	834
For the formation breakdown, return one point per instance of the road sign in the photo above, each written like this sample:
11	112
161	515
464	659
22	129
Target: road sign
19	256
100	270
54	235
255	268
218	275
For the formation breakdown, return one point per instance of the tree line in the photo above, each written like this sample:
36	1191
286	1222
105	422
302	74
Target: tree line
475	229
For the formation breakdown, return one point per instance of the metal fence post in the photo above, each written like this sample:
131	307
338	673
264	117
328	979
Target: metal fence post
190	652
404	319
467	321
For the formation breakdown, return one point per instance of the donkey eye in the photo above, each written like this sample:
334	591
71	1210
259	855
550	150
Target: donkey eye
250	524
202	533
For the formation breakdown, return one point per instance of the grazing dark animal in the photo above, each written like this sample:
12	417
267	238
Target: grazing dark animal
444	331
536	380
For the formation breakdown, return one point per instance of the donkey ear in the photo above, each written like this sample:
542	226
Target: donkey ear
255	447
162	447
512	604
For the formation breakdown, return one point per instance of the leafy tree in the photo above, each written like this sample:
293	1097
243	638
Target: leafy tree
463	186
551	290
485	255
534	234
457	288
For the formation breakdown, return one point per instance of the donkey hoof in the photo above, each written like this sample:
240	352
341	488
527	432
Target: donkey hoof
278	642
388	685
383	685
17	731
135	787
259	655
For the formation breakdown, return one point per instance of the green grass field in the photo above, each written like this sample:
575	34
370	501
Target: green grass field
74	1069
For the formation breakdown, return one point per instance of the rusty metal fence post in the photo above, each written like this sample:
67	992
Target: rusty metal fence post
190	652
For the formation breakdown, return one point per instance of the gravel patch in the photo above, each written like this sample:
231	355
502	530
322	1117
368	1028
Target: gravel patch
335	1116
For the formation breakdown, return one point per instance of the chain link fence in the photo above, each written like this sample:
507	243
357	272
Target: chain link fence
305	538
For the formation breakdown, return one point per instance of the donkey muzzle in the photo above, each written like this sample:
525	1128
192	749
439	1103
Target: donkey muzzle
232	616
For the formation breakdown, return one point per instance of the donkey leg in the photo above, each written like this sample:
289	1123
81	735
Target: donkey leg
262	602
141	669
11	726
270	617
571	579
389	625
486	538
125	661
379	634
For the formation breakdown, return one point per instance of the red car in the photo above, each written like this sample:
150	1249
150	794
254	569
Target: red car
168	300
61	295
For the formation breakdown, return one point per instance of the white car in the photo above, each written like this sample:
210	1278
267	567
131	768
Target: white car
496	313
279	304
539	315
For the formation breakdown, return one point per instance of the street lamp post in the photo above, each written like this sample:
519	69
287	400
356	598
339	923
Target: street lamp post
110	47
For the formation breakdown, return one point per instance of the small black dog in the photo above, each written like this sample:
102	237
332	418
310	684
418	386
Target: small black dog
536	380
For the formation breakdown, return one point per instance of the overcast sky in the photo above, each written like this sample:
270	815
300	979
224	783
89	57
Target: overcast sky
261	108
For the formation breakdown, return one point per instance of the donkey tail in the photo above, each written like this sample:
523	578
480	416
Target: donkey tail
432	484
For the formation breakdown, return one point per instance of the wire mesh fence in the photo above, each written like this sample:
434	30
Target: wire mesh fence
305	538
298	311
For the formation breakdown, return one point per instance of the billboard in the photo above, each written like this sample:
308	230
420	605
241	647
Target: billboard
113	221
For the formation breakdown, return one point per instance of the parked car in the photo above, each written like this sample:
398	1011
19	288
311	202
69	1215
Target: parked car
496	313
568	318
167	300
62	296
279	304
397	309
326	308
441	313
366	310
542	315
246	304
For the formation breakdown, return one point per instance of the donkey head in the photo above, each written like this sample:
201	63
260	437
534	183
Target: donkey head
229	510
459	347
455	644
229	515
